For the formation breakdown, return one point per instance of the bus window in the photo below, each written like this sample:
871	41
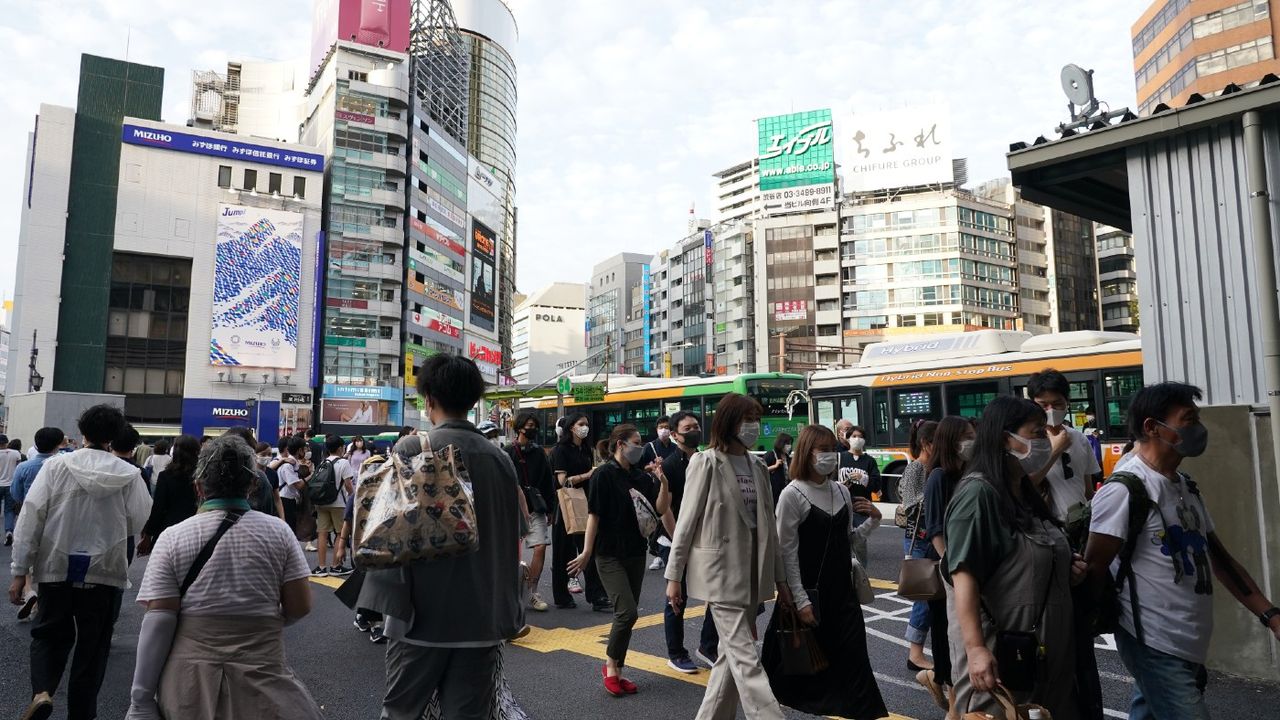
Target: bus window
969	399
772	396
911	405
880	414
826	416
694	405
644	415
849	409
1081	400
1118	389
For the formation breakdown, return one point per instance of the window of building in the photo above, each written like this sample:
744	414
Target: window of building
273	183
299	187
357	75
250	180
224	176
147	325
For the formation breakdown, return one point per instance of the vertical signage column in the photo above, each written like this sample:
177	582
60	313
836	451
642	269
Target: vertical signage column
709	302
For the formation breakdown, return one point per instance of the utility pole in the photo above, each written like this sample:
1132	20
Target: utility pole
782	353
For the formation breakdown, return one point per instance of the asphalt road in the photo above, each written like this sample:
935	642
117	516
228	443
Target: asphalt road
555	671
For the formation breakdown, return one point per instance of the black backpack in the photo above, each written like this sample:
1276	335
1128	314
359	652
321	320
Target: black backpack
322	486
1107	613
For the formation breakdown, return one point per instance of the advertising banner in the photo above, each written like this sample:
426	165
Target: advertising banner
897	148
437	322
797	161
438	233
378	23
420	260
168	139
645	310
444	295
485	196
791	310
256	288
483	275
355	412
414	354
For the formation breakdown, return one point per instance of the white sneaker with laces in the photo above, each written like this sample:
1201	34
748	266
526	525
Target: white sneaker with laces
657	564
574	585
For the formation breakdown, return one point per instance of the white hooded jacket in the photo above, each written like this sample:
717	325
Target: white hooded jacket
88	502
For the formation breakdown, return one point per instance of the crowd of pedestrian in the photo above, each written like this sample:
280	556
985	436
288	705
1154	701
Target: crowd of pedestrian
1036	555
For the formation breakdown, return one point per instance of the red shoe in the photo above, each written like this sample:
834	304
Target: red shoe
612	685
628	687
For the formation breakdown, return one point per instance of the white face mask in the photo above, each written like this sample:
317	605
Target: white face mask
786	448
966	450
582	431
825	463
1055	417
749	433
1036	454
857	444
663	434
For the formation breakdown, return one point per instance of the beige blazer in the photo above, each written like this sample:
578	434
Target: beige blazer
713	541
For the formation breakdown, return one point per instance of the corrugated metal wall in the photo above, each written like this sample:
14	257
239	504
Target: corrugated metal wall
1194	251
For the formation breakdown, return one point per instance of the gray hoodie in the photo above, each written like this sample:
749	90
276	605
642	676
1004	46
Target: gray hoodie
86	503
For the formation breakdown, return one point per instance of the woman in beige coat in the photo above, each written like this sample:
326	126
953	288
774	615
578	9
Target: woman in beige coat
726	540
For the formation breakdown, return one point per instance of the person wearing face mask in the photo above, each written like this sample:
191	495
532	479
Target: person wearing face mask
1011	571
621	496
911	487
861	475
572	461
1166	618
1073	470
777	460
726	538
539	487
357	453
815	524
688	436
661	446
950	452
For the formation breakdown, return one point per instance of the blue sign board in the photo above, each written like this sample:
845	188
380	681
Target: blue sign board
363	392
201	414
644	303
167	139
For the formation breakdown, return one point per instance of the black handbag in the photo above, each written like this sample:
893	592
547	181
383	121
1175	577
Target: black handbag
798	645
532	498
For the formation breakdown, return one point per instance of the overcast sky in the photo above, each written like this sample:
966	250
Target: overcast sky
627	108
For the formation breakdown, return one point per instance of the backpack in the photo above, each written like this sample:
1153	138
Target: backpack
1106	616
322	486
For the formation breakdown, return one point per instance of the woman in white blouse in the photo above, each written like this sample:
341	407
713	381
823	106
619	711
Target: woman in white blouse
815	531
211	643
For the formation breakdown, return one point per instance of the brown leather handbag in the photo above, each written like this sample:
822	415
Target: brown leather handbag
919	579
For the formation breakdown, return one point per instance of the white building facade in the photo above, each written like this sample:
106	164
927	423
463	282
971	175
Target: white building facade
549	332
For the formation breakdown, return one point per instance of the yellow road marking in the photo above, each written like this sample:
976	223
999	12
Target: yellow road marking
332	582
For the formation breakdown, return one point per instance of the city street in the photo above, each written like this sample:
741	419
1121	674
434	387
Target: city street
554	672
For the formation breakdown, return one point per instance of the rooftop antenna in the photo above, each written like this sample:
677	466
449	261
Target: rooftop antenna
1084	107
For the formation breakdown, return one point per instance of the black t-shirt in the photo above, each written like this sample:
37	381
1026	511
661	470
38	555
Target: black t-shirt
658	450
674	468
609	498
777	478
865	463
534	471
572	459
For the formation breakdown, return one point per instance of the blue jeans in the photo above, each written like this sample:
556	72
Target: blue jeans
918	624
673	622
9	516
1164	687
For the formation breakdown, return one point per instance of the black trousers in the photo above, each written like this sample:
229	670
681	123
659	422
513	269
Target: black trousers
79	619
941	646
565	547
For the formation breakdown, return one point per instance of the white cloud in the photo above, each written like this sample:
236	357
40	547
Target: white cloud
627	108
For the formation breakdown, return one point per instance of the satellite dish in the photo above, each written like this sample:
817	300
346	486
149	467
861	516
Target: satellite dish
1077	83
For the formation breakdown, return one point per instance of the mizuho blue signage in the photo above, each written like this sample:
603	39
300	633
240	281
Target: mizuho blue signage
167	139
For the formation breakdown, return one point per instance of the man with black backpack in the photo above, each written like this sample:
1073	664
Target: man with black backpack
1153	555
328	488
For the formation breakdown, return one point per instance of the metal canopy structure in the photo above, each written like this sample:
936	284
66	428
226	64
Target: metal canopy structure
440	65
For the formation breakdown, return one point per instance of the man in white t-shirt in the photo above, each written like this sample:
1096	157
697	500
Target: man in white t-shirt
329	516
9	460
1073	470
1174	561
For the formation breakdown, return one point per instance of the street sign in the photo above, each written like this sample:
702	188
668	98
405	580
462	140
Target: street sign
564	386
591	392
295	398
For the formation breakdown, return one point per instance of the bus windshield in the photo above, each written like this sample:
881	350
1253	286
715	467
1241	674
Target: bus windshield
772	395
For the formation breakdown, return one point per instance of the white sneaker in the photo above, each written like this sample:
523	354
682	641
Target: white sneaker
537	603
657	564
311	547
574	585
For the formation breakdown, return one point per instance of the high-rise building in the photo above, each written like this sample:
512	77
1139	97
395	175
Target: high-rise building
1117	279
732	335
261	98
737	192
1057	263
1182	47
489	30
616	311
549	331
796	264
930	260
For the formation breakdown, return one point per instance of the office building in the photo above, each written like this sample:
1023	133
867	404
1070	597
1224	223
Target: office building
179	288
488	30
1057	264
258	98
933	260
616	308
679	345
737	192
733	329
1117	279
1182	47
797	291
549	332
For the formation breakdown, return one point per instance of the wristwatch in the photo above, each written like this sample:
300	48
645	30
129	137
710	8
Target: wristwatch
1268	615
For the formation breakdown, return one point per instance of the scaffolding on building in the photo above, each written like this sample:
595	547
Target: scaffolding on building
215	99
440	65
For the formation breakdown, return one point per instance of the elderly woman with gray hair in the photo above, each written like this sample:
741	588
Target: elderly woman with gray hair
219	589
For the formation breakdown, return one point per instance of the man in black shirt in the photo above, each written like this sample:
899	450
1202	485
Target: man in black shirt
539	486
688	436
662	446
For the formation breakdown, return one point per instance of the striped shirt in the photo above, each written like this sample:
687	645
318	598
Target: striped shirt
243	576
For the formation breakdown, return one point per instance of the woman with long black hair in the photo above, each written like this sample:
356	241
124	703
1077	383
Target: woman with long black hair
1011	571
572	461
175	492
777	461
